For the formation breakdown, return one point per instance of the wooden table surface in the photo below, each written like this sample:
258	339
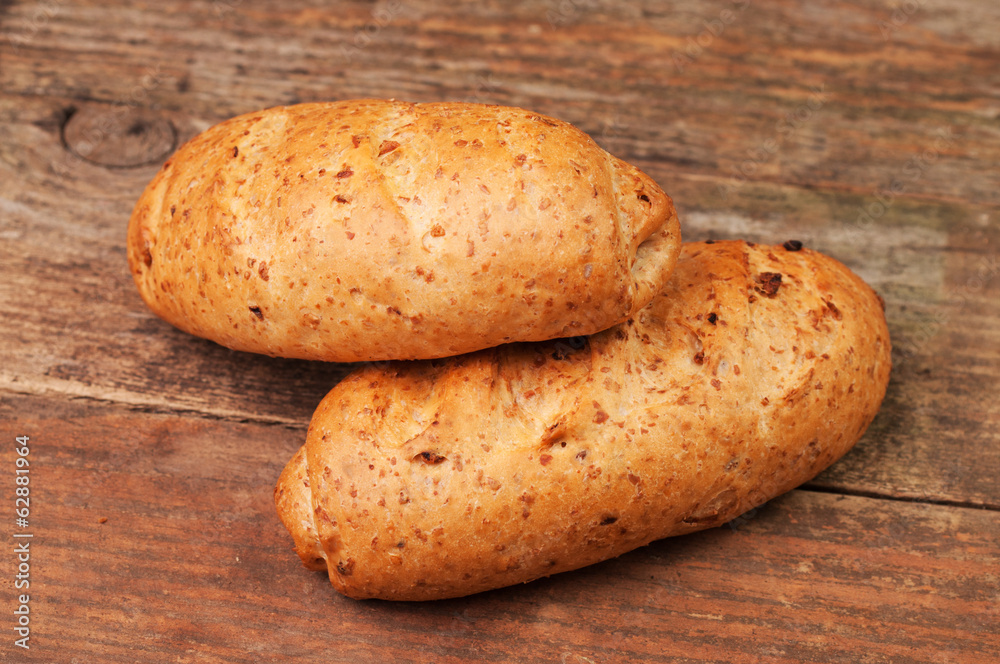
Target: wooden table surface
868	130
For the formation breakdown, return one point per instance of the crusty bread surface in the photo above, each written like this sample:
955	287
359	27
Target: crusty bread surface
754	369
371	230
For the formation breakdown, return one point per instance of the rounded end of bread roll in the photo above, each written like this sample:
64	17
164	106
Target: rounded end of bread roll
373	230
657	246
293	498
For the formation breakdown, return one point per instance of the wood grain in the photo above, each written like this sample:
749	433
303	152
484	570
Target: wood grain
193	565
867	130
610	68
934	261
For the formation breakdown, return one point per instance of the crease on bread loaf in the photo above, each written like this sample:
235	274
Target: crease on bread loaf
374	230
755	368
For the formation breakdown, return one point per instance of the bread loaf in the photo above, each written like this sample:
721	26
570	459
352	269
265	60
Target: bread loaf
752	371
370	230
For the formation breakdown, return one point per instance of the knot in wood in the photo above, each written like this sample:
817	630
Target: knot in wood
118	136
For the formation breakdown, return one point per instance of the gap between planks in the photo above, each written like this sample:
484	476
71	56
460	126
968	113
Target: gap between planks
126	399
900	498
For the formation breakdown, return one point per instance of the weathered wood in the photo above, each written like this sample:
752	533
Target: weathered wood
192	564
73	321
811	94
868	130
127	138
63	225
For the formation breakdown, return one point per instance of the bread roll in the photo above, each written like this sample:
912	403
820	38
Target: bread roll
370	230
755	369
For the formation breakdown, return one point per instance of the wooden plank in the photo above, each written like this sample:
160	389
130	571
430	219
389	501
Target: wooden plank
886	91
649	79
192	565
73	323
869	131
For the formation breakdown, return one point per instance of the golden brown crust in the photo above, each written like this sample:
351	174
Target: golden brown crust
369	230
756	368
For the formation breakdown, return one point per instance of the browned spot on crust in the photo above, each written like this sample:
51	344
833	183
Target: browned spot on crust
387	147
832	308
768	283
431	458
